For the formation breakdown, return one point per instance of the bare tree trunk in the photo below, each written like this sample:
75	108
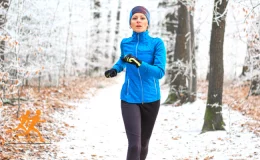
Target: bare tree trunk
178	85
108	32
115	48
88	35
67	42
94	51
189	60
213	119
171	27
193	62
2	56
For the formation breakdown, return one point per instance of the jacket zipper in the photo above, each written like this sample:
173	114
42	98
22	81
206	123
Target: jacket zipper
127	87
139	70
155	86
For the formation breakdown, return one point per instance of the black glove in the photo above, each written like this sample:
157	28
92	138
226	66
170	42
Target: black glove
111	73
133	60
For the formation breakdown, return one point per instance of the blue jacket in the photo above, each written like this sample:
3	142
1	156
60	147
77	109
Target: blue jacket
142	84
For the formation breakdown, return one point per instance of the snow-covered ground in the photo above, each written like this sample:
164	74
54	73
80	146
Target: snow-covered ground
99	132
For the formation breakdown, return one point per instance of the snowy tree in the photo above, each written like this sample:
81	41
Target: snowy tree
251	69
116	41
8	72
181	64
169	25
4	4
213	119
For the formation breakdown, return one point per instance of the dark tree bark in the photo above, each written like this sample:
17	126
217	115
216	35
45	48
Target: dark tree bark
2	57
213	119
178	85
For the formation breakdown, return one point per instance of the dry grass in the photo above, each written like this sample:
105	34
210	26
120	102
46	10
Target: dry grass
49	100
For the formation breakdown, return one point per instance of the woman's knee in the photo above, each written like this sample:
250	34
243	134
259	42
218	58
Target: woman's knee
134	148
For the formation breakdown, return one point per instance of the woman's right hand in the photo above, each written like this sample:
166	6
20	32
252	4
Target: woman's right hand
111	73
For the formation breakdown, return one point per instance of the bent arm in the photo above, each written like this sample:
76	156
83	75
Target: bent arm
158	68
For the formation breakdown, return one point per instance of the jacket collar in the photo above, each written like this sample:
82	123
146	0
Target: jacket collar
142	36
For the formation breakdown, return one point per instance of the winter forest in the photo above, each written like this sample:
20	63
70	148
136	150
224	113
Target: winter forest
53	55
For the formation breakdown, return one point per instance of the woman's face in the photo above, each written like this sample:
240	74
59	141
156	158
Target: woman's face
139	22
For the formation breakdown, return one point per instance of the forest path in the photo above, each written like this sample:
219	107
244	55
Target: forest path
99	132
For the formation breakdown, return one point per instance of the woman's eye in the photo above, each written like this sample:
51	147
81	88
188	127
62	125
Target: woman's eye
142	18
134	18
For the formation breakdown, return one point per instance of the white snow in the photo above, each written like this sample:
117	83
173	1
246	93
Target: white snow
99	132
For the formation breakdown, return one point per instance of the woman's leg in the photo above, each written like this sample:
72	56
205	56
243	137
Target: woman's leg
149	112
132	121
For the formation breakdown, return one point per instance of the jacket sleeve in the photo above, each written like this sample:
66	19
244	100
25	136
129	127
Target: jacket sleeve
158	68
120	64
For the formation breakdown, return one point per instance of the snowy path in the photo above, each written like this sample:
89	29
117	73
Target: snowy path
99	132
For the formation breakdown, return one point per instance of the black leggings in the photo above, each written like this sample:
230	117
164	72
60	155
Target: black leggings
139	121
